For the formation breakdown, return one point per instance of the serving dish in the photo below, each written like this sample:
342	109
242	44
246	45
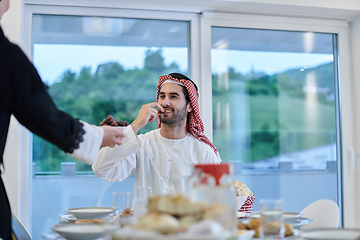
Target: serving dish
90	212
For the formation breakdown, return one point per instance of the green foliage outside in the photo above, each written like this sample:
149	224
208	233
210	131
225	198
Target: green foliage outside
272	115
92	97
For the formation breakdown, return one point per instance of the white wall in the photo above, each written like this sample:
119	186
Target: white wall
11	25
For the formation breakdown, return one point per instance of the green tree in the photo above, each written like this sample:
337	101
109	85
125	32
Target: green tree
154	61
113	71
91	97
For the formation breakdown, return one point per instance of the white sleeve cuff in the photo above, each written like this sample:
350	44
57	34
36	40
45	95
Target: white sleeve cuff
90	146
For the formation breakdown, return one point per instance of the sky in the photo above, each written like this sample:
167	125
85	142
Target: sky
52	60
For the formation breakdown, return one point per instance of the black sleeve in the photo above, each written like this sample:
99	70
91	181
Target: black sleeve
34	108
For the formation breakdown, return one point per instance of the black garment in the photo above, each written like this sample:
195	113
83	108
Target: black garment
23	94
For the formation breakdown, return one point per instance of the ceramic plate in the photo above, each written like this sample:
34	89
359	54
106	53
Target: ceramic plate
71	219
90	212
84	231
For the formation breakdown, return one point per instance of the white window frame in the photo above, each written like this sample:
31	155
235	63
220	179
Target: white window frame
200	33
348	184
25	156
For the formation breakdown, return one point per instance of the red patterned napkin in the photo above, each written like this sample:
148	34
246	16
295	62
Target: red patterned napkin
247	207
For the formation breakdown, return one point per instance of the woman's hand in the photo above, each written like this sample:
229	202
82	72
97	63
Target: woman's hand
112	136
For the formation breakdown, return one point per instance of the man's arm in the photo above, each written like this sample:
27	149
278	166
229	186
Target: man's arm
148	113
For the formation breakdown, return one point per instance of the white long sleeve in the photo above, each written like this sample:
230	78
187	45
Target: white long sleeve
116	164
160	163
90	146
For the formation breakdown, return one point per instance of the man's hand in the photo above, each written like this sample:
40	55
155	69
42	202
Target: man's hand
111	121
112	136
148	113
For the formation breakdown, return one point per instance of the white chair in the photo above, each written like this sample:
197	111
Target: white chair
324	213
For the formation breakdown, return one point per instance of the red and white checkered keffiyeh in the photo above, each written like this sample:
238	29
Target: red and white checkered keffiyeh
195	125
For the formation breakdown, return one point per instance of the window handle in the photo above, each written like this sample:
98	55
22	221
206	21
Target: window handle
351	160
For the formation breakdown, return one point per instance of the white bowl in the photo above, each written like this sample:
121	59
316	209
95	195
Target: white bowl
88	231
330	234
90	212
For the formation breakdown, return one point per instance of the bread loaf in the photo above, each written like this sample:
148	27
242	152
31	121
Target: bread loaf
160	222
177	205
242	189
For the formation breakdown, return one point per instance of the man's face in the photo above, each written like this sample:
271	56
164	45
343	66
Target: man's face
172	99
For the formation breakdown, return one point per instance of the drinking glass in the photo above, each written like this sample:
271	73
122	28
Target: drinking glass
142	196
271	219
121	201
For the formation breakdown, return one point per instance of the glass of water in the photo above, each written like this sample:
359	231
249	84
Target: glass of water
272	219
142	196
121	201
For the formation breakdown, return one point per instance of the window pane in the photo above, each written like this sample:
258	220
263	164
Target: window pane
274	112
94	67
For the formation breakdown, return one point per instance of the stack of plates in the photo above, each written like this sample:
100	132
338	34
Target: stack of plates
90	212
86	231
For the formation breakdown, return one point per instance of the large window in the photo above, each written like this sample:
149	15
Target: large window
270	98
274	111
95	67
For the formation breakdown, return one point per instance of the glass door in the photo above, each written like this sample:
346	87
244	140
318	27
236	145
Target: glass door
94	67
278	111
274	111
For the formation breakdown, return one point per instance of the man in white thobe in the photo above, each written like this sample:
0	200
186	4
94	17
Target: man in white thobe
163	158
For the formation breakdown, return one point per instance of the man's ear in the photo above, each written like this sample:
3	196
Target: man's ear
189	108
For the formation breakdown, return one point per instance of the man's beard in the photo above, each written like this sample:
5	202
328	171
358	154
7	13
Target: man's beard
176	119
